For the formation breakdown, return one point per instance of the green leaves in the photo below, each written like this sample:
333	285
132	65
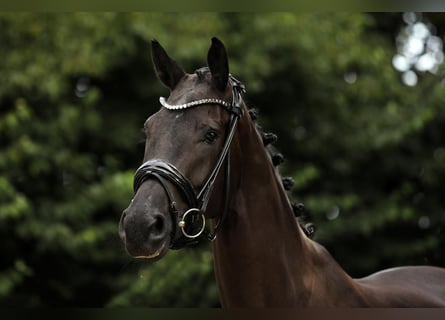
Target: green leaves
181	279
13	277
365	151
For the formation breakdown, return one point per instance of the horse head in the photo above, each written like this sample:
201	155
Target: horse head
181	181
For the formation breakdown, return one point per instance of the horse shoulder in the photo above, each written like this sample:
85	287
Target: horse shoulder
331	286
410	286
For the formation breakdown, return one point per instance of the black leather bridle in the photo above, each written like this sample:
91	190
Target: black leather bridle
192	222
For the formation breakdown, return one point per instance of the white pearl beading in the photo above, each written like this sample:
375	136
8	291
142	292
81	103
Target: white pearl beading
193	103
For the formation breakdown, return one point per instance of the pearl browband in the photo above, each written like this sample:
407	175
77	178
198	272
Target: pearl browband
194	103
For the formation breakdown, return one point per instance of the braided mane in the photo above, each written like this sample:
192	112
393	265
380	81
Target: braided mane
277	158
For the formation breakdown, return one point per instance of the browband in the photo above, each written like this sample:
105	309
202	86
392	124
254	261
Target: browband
164	103
232	107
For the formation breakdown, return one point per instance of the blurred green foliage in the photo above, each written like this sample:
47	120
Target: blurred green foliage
367	153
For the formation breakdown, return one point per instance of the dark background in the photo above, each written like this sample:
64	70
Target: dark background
357	101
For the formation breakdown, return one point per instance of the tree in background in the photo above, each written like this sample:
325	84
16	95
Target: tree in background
366	151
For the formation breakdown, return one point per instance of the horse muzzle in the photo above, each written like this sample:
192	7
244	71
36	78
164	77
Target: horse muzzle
145	235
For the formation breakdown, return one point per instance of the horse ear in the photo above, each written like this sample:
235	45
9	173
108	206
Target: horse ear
218	64
167	70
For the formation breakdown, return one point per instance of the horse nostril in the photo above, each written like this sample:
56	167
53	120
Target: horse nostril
121	227
158	226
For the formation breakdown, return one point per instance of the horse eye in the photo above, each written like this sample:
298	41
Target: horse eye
211	136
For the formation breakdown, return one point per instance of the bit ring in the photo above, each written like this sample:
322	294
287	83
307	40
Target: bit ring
182	224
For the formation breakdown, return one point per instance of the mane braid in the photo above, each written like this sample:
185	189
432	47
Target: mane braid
298	208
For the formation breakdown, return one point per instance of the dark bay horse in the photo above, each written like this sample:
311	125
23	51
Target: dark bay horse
205	159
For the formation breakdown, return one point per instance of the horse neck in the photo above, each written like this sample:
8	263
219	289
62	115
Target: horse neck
261	254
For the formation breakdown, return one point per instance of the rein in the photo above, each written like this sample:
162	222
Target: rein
192	222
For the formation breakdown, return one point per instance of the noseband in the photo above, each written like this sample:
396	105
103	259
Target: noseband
192	222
